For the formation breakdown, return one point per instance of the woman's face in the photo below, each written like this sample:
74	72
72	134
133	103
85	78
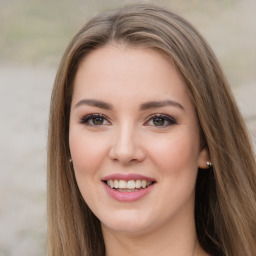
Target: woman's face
134	140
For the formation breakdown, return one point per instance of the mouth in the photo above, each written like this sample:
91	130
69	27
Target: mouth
128	185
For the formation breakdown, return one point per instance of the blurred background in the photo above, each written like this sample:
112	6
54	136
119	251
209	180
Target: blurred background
33	37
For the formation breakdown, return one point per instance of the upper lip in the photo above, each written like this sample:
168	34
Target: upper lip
130	176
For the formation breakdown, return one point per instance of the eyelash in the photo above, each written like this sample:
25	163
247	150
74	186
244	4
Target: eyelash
165	118
86	120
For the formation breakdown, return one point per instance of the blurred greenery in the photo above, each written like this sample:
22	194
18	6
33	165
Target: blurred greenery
34	30
37	32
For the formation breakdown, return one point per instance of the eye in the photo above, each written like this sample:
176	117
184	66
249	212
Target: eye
160	120
95	120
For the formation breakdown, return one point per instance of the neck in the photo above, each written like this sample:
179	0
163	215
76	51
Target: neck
176	238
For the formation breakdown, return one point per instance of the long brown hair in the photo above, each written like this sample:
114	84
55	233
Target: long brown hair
225	208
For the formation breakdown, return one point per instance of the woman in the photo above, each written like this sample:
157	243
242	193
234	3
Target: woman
147	153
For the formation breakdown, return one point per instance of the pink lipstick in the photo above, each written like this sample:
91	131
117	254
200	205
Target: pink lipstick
128	187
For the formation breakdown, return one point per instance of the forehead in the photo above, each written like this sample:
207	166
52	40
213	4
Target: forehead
128	73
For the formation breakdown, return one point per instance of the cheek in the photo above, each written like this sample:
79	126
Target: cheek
87	151
88	154
175	159
176	154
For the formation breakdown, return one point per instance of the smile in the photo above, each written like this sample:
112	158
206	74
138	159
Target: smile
128	185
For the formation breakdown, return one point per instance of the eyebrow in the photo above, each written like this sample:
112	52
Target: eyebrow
144	106
160	104
94	103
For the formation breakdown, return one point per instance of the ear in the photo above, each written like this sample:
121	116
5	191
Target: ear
203	158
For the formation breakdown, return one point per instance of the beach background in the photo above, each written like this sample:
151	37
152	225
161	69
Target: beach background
33	37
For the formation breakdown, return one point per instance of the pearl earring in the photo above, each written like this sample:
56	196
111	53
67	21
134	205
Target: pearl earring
209	164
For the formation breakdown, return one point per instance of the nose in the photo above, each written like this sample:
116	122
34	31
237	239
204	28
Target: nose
127	146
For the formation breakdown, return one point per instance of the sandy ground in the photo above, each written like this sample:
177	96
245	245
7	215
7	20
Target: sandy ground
24	105
24	99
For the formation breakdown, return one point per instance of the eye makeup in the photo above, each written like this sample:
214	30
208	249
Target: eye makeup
160	120
94	120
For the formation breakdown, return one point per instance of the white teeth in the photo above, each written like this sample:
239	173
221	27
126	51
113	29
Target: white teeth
122	184
130	184
138	183
116	184
143	183
111	183
127	190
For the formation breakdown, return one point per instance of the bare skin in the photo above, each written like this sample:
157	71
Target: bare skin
131	115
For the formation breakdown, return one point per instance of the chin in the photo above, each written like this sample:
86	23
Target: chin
126	223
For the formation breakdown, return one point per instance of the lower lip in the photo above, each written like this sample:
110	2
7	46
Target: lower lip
128	196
